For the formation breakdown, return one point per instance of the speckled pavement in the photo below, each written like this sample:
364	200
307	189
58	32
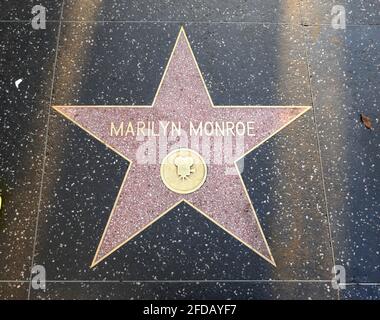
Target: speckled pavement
314	185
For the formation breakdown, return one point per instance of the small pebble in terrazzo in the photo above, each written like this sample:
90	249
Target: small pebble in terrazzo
18	82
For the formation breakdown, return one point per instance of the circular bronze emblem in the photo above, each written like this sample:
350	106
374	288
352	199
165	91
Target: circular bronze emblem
183	171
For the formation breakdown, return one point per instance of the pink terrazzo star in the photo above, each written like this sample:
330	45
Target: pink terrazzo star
143	198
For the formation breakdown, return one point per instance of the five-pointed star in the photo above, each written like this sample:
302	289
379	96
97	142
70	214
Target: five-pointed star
143	198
